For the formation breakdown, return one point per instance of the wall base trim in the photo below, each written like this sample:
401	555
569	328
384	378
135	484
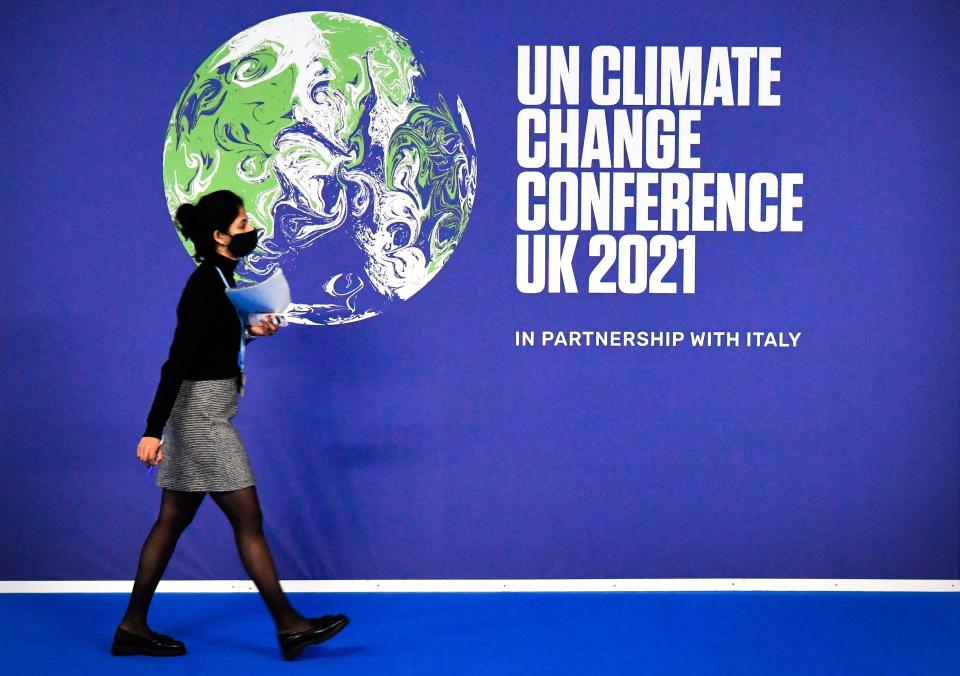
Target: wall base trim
506	585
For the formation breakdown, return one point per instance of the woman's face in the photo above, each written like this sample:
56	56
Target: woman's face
240	224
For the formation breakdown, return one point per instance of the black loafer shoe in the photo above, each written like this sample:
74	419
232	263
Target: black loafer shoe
319	621
158	645
292	643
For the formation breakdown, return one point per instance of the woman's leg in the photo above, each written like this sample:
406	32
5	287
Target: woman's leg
177	509
242	508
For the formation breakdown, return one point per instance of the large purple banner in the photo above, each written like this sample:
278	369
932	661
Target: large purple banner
609	290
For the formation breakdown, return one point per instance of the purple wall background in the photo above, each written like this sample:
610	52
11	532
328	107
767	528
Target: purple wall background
423	444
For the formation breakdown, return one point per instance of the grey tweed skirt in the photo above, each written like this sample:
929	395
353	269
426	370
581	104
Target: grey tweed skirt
202	450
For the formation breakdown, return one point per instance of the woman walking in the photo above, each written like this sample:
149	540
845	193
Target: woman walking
200	452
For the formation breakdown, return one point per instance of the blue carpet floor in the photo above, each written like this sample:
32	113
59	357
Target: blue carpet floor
504	633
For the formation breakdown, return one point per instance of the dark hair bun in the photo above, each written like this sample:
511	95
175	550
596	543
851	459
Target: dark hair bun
189	220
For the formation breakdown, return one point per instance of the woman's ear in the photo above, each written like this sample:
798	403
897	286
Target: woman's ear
220	238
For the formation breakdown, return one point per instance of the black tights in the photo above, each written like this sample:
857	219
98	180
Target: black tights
177	509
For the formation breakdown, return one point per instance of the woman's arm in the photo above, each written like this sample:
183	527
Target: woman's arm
182	350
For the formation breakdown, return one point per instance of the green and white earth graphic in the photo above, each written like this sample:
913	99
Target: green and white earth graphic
363	190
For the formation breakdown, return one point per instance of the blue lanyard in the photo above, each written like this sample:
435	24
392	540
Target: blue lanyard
242	344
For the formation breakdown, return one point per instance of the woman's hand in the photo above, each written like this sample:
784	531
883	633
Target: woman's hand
149	451
265	328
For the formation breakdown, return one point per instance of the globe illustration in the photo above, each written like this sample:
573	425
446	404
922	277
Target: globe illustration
362	186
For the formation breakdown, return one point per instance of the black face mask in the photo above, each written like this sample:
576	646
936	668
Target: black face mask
242	244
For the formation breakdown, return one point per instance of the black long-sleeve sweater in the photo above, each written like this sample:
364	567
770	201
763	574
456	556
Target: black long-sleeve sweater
206	340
